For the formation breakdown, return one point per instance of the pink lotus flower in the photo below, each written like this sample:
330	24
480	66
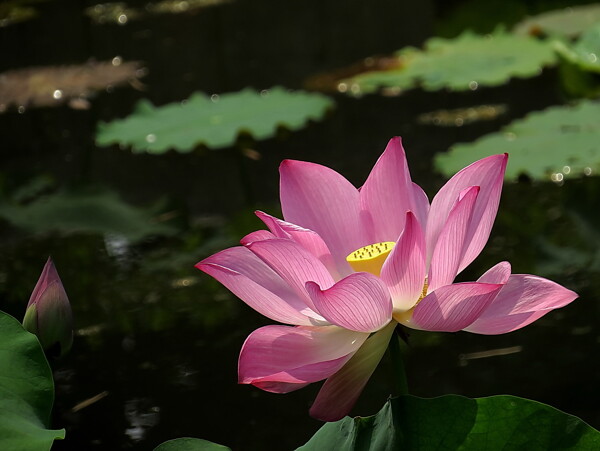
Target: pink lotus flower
348	264
49	314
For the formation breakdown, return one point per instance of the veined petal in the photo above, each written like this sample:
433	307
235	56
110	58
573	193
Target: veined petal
498	273
450	245
488	174
523	299
48	277
404	270
320	199
294	264
258	235
295	355
387	194
309	240
359	302
246	276
340	392
280	387
292	380
454	307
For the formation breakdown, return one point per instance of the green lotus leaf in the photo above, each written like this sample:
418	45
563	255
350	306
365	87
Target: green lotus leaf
568	22
11	12
554	144
26	390
190	444
466	62
585	53
214	121
96	211
452	422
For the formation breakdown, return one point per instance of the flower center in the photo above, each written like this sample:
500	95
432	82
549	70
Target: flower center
370	258
406	316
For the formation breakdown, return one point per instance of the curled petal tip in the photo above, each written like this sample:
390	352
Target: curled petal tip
258	235
289	163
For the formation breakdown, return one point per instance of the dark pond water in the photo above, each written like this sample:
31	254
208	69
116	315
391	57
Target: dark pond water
156	340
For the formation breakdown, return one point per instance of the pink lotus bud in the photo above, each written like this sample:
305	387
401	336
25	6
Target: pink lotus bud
49	314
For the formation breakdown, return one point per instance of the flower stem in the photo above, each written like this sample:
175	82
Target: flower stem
398	364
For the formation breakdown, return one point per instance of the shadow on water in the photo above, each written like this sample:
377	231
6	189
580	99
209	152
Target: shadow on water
157	341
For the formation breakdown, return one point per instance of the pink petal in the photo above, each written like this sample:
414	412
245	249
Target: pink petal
48	277
359	302
387	194
295	355
279	387
521	301
488	174
340	392
294	264
246	276
259	235
450	245
320	199
454	307
306	238
404	270
296	378
498	273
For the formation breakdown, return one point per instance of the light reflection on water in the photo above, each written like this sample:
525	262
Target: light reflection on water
140	417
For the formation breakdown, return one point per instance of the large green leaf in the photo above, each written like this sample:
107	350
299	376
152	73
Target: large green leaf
585	53
568	22
214	121
460	64
557	143
457	423
190	444
99	211
26	390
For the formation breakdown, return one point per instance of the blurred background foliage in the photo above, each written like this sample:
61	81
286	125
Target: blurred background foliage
156	343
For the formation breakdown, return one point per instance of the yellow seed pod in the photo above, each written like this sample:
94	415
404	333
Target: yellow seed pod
370	258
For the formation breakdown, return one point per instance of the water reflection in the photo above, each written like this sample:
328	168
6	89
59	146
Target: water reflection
167	356
141	416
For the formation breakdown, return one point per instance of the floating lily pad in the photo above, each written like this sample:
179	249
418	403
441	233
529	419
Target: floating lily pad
55	85
26	390
190	444
330	81
96	212
214	121
466	62
13	12
117	12
181	6
555	144
585	53
569	22
121	13
462	116
452	422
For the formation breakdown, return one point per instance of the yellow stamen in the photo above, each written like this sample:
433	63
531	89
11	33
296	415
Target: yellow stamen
370	258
